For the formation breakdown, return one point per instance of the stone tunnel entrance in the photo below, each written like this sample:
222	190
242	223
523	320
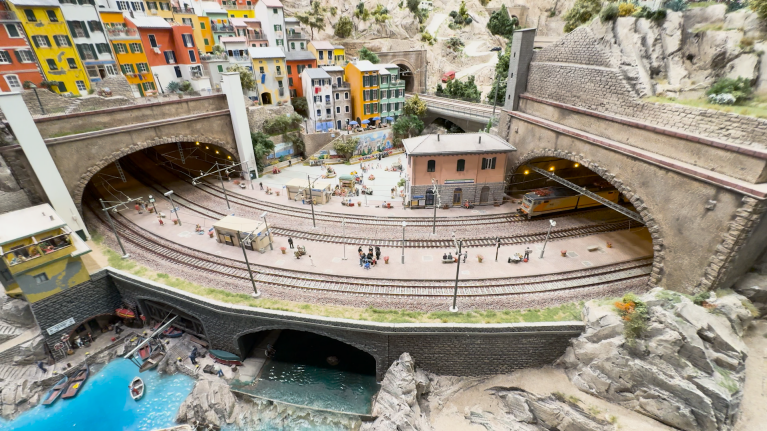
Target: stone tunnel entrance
308	369
408	75
158	312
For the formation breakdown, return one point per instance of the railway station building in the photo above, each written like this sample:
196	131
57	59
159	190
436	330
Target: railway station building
462	166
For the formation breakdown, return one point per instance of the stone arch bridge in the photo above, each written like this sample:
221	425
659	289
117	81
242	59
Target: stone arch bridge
82	144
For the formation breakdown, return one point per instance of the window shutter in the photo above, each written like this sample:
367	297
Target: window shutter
167	60
18	56
35	42
90	25
47	39
56	39
85	28
71	26
69	41
114	46
80	51
93	51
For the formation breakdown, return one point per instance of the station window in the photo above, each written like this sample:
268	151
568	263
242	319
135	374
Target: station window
461	165
41	278
488	163
431	166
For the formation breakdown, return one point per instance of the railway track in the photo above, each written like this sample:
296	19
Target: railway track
462	221
233	269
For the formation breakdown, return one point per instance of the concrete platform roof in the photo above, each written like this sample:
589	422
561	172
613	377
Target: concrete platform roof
456	143
239	223
28	222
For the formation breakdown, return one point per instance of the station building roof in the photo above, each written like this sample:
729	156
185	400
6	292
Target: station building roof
456	143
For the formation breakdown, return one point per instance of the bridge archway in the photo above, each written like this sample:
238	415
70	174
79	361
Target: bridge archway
91	171
628	193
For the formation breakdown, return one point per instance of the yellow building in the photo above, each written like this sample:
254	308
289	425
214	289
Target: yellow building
206	34
271	75
161	8
237	13
339	55
363	80
129	53
39	255
50	38
239	8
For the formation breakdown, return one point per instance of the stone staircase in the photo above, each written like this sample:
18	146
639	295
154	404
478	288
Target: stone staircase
8	332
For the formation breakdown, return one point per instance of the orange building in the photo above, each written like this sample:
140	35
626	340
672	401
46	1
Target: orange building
129	53
465	167
171	52
363	79
17	60
297	61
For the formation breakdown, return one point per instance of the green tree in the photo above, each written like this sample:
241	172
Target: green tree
406	126
300	106
456	89
262	147
366	54
282	124
760	7
381	14
501	74
314	18
344	27
217	49
414	106
582	12
500	24
246	77
297	141
345	146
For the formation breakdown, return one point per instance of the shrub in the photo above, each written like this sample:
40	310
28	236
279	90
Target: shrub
500	23
626	9
343	27
454	43
468	21
735	5
453	14
676	5
426	37
635	315
609	12
582	12
700	298
728	91
656	16
282	124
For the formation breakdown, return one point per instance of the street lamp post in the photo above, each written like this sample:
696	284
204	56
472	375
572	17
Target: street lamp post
311	200
255	293
268	232
222	186
434	218
497	247
151	201
403	241
159	84
552	223
173	209
112	225
495	97
454	308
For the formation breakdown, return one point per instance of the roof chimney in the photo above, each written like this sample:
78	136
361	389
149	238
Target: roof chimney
437	137
51	218
480	139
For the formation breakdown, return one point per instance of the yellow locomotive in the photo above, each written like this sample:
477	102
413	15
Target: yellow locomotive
556	199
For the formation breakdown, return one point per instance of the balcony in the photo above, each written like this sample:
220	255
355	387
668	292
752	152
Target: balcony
279	73
8	15
26	257
122	33
397	83
234	6
328	102
222	27
278	34
200	75
343	85
177	9
209	57
256	36
281	91
296	35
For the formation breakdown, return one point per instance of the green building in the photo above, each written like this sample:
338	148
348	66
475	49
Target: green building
392	92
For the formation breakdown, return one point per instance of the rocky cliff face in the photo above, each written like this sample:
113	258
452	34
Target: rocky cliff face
686	369
210	402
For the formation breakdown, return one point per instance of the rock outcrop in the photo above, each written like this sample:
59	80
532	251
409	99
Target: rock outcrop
753	286
17	311
210	402
525	411
31	351
686	369
397	406
18	396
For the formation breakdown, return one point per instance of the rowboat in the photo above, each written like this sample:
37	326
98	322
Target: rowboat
225	358
136	388
55	392
77	382
172	332
125	313
152	362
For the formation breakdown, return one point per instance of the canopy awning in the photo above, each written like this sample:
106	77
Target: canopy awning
376	118
365	121
353	123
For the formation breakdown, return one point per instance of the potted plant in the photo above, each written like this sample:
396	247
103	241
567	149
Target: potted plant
282	249
210	234
564	253
609	244
479	258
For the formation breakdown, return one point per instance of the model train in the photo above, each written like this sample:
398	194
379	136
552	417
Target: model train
556	199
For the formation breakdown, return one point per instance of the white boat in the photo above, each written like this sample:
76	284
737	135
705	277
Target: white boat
136	388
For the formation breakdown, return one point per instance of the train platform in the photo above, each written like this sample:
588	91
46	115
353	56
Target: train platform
420	263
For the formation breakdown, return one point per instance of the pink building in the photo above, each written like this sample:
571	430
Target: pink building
464	166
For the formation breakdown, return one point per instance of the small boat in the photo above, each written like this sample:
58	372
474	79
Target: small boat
55	392
173	332
152	362
144	352
125	313
77	382
136	388
225	358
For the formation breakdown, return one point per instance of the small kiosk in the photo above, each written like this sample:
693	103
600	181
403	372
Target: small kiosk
298	190
230	229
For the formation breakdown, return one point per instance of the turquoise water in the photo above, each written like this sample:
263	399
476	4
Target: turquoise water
105	405
299	374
